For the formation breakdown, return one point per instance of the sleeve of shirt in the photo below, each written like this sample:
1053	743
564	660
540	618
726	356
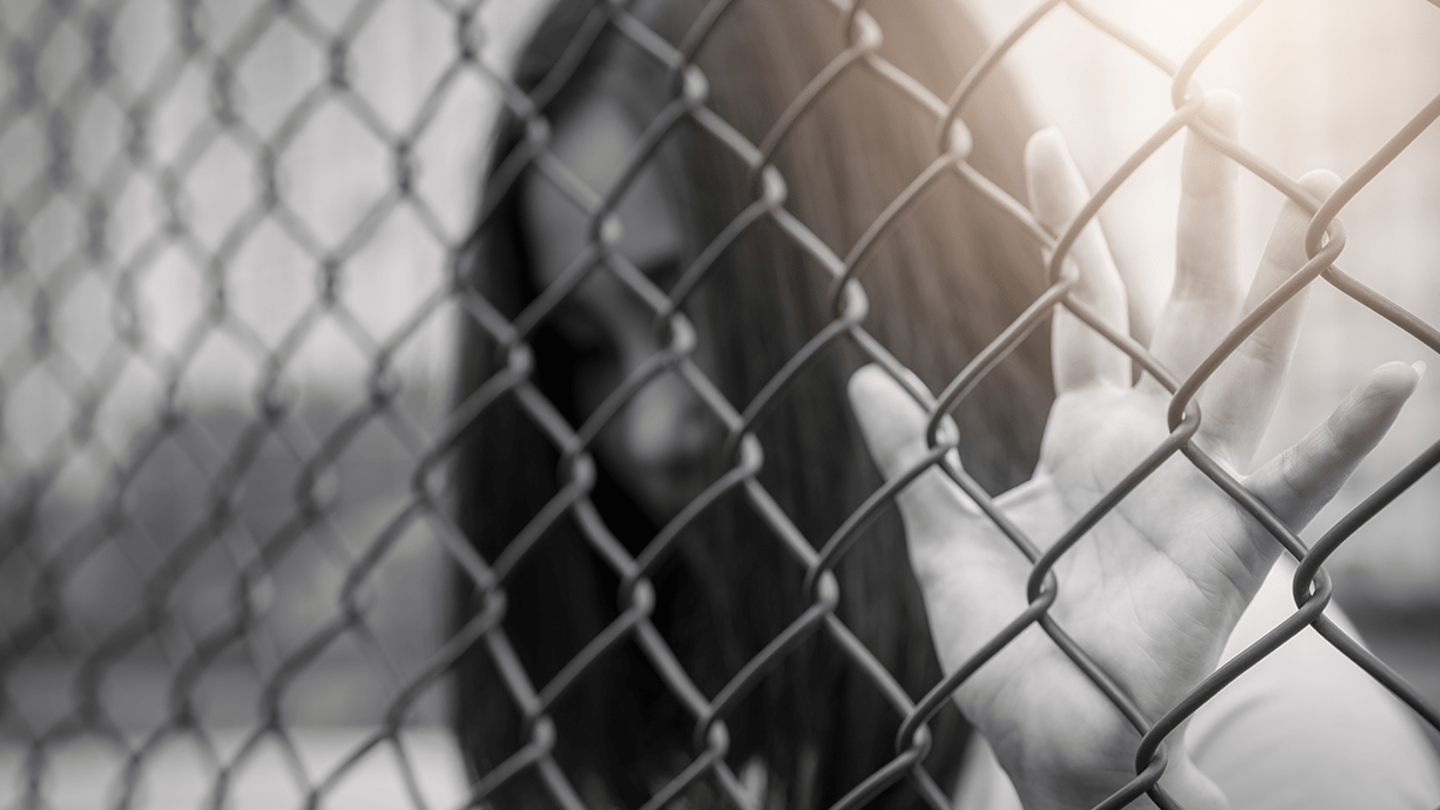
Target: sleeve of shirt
1307	728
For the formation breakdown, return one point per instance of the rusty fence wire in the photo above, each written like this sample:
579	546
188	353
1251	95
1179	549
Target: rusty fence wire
225	460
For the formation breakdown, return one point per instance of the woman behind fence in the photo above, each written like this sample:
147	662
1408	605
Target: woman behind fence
1153	594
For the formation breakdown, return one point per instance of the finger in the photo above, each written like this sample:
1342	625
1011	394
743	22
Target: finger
971	582
1205	300
1298	482
893	425
1239	400
1081	357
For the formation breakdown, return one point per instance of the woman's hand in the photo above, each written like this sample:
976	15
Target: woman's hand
1154	590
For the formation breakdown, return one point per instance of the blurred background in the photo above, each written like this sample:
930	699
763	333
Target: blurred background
225	239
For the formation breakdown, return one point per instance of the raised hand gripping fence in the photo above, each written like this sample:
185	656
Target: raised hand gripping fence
214	576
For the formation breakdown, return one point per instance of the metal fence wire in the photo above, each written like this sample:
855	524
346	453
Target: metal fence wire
182	570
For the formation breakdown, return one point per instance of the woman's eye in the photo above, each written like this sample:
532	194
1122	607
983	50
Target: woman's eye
592	350
581	330
664	274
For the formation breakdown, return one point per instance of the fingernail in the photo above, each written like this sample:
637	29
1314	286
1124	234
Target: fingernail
1051	132
914	379
1419	366
1048	138
949	431
864	376
1320	182
1222	110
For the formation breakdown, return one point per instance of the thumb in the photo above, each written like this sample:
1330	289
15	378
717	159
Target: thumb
893	425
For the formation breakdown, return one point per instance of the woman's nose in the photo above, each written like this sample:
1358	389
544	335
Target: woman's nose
664	425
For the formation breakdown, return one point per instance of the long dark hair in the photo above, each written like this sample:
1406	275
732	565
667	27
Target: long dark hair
941	286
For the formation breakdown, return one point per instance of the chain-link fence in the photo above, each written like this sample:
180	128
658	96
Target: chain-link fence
227	458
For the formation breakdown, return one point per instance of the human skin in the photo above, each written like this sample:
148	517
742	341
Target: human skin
657	444
1154	590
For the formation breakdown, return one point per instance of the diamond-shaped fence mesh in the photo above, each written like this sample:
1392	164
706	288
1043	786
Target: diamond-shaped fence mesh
261	540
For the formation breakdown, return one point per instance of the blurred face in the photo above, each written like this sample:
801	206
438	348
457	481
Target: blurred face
656	445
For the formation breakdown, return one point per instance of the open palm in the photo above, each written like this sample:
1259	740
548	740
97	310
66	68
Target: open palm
1154	590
